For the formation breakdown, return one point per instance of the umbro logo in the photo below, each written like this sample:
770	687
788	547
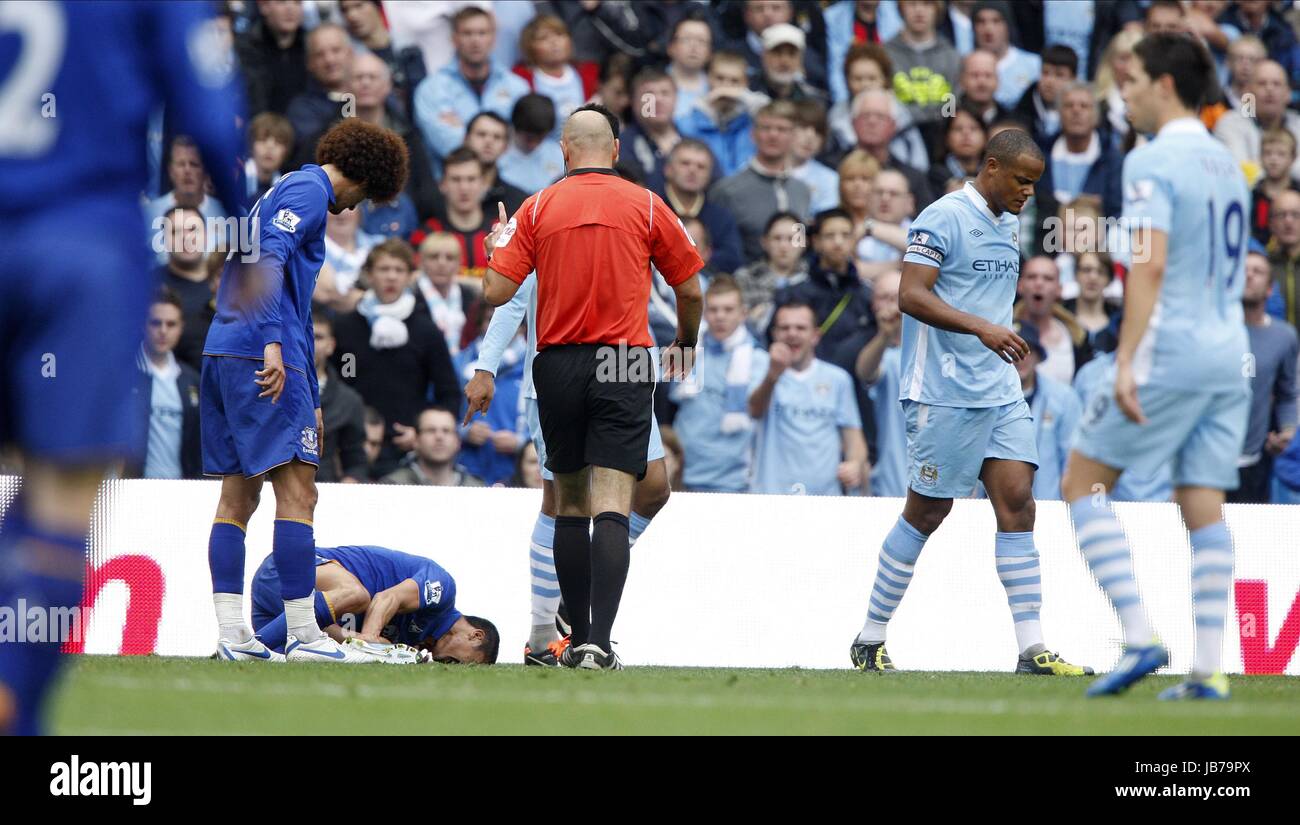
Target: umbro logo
977	233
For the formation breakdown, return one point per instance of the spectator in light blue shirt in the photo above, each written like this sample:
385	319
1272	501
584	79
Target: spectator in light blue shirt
448	99
712	419
809	439
1017	68
879	366
534	159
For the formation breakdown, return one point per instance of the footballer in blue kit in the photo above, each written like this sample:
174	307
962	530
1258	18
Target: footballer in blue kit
79	82
1181	391
259	398
386	596
966	419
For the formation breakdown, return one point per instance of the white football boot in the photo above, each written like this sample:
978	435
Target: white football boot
249	651
325	649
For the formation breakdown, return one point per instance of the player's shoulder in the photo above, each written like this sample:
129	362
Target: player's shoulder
942	211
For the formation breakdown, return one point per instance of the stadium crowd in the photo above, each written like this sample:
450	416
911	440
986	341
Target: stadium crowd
795	140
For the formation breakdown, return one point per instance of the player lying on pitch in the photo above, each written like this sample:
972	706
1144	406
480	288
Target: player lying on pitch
394	597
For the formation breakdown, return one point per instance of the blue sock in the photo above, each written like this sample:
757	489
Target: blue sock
1105	549
274	633
1211	580
28	668
1022	578
294	548
636	526
226	556
545	585
898	557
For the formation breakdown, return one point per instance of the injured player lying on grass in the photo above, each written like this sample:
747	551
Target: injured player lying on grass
403	605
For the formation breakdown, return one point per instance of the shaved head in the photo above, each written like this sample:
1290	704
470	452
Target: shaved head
590	138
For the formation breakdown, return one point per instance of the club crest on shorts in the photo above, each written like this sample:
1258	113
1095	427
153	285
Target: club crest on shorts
928	475
309	441
432	592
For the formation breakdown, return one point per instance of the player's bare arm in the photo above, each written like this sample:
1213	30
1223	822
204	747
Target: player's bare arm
403	597
916	298
1141	291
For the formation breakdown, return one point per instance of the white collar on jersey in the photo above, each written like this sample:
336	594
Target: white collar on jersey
1183	126
982	205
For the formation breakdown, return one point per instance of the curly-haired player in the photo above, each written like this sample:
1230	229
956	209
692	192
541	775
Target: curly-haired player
259	399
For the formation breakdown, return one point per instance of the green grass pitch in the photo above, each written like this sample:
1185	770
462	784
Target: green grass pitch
155	695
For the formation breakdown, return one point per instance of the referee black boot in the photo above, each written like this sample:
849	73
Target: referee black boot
592	657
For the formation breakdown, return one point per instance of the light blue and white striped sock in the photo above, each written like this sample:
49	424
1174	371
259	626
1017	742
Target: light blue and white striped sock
636	524
545	584
1211	578
1022	578
1105	549
898	557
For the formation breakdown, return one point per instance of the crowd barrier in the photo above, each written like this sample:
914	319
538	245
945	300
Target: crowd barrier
717	580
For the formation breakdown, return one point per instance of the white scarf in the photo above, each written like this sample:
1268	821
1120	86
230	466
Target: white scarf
739	347
448	313
387	321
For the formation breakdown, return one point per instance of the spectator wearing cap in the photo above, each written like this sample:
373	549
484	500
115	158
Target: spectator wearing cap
1064	341
765	186
329	62
684	187
651	135
365	22
1017	68
448	99
273	56
757	16
926	66
1056	411
1040	106
723	119
534	159
169	391
782	76
690	45
549	68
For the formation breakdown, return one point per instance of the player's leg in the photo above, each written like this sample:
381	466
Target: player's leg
238	502
339	594
653	490
42	562
294	546
611	501
573	548
544	587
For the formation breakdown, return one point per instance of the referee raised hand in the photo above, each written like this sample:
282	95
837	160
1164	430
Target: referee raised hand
592	238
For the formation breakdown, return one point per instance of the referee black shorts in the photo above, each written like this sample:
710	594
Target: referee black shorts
594	410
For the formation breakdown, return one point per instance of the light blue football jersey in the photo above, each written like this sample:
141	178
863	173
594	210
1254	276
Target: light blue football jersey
1187	184
978	258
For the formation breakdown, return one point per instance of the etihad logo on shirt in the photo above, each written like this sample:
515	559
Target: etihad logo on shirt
996	269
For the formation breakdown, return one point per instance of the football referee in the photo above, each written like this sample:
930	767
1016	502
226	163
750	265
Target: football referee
592	238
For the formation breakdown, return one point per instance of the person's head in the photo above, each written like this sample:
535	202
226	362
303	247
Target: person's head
727	70
1026	366
545	42
783	47
374	423
471	640
533	118
1284	218
965	135
1013	163
590	138
873	119
270	137
1039	286
462	181
440	258
362	17
795	324
1271	90
1259	280
329	56
920	17
388	269
185	170
1093	271
163	328
884	296
373	160
689	167
528	470
372	81
187	242
323	334
1078	111
979	77
810	130
783	241
867	66
833	238
992	27
487	136
1081	218
759	14
1060	68
691	43
473	36
857	170
774	132
724	307
282	17
891	198
615	71
1277	152
1168	79
1244	54
1165	17
654	97
437	441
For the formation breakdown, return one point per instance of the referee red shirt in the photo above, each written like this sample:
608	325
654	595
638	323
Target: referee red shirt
591	237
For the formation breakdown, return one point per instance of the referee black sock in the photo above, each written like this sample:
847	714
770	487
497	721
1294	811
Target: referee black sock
609	562
573	569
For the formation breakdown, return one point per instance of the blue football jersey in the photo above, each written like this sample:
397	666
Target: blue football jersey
978	258
1186	184
379	568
